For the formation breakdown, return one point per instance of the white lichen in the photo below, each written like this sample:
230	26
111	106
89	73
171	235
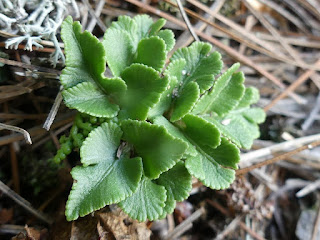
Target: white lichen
34	21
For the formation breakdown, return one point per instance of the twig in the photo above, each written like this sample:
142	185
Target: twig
28	66
53	112
24	203
185	225
250	231
230	228
26	135
186	19
185	39
247	158
14	169
93	14
36	130
97	12
277	158
11	229
308	189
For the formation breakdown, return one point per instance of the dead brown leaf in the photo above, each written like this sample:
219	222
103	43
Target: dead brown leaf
118	226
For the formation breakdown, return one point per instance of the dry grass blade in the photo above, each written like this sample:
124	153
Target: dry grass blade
186	20
26	135
53	111
97	12
185	39
35	130
93	14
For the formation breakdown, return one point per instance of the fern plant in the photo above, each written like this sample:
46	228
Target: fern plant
145	130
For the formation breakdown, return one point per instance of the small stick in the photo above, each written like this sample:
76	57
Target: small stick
14	169
185	225
28	66
308	189
93	14
230	228
17	129
277	158
24	203
250	231
53	112
11	229
263	152
97	12
187	21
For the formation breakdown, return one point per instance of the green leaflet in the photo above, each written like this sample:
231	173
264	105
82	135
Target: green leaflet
195	69
128	25
209	172
146	203
84	55
186	99
200	131
136	40
168	37
201	67
156	26
151	52
175	132
87	98
84	71
209	165
159	150
95	181
251	96
165	100
144	88
119	50
144	23
225	95
167	96
241	125
178	184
